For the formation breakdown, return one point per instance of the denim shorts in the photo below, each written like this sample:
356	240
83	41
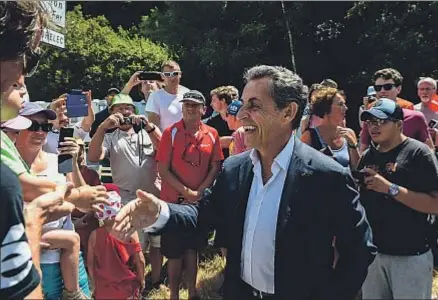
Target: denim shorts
53	284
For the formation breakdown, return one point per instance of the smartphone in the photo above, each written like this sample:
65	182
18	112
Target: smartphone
145	75
359	175
65	161
433	123
77	105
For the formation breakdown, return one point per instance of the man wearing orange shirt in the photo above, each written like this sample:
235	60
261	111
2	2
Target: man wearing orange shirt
388	84
188	158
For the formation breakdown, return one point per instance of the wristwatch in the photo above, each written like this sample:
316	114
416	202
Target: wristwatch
353	146
151	130
393	190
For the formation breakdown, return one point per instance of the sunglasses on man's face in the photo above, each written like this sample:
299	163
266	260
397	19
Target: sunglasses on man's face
46	127
386	87
31	61
171	74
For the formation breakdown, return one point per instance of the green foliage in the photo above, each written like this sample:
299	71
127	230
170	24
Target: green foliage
96	57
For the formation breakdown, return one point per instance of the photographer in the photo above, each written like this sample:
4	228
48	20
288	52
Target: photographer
130	148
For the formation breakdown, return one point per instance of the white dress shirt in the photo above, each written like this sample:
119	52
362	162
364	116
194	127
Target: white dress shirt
258	247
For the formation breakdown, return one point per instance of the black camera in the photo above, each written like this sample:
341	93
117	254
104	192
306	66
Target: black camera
371	99
126	121
359	176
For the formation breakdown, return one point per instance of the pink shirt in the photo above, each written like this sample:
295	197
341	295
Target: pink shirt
238	142
414	126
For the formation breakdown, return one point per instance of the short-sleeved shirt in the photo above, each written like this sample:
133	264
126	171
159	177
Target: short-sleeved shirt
427	112
397	228
51	145
238	144
216	121
11	157
414	126
18	274
133	164
190	156
167	106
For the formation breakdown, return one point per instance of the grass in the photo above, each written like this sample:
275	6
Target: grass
209	281
210	278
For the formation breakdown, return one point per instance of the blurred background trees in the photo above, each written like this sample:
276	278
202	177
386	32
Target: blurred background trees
216	41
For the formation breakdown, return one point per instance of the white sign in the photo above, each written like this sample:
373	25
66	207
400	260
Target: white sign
56	10
53	38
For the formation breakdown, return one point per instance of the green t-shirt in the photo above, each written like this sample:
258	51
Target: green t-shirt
10	156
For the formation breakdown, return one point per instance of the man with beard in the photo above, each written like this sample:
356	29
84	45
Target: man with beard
131	153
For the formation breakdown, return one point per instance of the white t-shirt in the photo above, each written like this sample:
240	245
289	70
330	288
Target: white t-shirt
53	256
167	106
51	145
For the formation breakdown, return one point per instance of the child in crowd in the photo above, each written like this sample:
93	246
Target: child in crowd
108	258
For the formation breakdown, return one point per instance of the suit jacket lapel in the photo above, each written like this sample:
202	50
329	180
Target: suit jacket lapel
246	176
291	187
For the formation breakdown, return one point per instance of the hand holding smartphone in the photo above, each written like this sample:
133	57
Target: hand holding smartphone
77	104
65	161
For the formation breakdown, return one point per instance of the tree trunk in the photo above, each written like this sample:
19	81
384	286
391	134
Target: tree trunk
289	33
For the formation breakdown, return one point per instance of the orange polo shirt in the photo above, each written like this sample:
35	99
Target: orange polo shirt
189	155
405	103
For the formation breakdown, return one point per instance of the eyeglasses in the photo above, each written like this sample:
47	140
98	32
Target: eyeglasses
46	127
379	122
386	87
184	154
31	61
425	89
171	74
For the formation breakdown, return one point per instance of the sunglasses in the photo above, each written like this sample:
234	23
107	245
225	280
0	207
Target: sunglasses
379	122
386	87
184	157
171	74
32	59
46	127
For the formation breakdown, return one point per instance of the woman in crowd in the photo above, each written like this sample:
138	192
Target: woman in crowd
13	127
61	262
331	136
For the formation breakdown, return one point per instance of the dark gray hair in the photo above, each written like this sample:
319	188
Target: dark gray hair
286	87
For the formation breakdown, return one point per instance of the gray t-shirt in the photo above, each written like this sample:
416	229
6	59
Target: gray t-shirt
427	112
130	170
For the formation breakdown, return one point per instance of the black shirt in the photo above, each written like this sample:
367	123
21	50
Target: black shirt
398	229
18	274
216	121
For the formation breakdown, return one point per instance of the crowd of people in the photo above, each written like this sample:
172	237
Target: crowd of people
302	207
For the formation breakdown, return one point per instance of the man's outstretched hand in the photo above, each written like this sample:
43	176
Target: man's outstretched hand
139	213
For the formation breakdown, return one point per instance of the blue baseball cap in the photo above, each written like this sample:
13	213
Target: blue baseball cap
234	107
383	109
32	108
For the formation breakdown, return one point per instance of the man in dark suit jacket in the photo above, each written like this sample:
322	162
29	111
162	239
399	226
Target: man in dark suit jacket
276	208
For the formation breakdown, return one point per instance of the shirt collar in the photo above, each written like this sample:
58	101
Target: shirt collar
202	127
282	159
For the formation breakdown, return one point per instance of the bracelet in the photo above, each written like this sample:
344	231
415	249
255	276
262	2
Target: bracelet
355	146
151	130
